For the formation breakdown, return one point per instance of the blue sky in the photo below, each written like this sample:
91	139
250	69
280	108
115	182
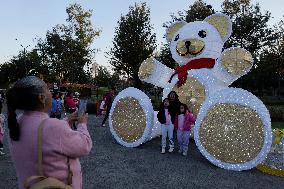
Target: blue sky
28	19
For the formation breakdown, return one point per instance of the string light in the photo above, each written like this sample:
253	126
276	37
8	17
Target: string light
233	127
131	118
239	138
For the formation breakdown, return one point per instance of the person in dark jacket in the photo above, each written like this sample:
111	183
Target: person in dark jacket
174	108
174	104
164	117
108	102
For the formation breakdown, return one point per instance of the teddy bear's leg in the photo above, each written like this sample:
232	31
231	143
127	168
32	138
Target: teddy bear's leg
131	118
154	72
233	129
234	63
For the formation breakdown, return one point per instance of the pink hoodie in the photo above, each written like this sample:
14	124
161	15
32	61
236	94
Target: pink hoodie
189	120
59	141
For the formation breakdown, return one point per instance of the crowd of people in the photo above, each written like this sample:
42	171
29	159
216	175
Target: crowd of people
63	141
41	128
175	117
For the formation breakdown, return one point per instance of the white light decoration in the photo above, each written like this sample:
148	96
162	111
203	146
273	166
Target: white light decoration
233	129
239	97
150	126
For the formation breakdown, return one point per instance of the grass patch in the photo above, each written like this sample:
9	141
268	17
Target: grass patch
278	125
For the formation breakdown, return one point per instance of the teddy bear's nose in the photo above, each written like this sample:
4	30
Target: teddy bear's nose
187	44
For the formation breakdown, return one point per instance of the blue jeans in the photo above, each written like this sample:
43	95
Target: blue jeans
167	130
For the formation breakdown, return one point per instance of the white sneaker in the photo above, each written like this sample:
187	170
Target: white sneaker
184	153
163	151
103	125
171	149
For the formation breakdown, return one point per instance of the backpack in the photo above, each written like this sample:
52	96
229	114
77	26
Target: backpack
42	182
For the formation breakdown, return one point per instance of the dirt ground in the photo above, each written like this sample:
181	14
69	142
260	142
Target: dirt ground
110	165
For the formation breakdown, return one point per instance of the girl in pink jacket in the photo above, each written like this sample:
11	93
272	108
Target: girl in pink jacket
183	122
59	141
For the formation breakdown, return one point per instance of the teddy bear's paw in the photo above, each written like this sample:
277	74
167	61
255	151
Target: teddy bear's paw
232	133
146	68
237	61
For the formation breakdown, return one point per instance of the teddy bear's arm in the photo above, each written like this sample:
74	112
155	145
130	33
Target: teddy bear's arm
154	72
233	63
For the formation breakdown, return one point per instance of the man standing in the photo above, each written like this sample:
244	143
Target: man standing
108	102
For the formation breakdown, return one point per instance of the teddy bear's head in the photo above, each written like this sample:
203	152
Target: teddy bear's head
199	39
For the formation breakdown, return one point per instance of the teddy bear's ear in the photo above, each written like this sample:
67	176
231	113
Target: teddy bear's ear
222	23
172	29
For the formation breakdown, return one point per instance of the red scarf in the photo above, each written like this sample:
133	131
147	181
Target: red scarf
193	64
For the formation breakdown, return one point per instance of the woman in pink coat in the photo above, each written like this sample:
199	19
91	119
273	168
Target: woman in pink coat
59	141
183	122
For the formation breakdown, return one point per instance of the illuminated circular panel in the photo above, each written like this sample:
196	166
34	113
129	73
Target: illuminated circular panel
128	119
233	129
192	93
237	61
232	133
131	117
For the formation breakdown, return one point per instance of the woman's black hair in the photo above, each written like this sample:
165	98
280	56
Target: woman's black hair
162	106
176	96
185	108
23	95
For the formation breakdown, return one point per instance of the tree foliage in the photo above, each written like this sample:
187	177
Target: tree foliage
250	26
133	42
65	53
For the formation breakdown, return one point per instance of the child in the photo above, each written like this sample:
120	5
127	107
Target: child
1	134
183	122
164	118
102	106
56	108
77	99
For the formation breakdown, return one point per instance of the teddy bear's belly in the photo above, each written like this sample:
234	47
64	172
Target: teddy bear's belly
192	93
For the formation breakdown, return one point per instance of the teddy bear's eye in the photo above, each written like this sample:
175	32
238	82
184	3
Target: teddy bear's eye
177	37
202	33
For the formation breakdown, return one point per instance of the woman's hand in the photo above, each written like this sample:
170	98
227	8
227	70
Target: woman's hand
83	119
72	118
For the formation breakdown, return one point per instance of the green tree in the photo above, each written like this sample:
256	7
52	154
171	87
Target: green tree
165	56
270	68
25	63
133	42
103	77
67	47
80	24
250	31
250	26
64	54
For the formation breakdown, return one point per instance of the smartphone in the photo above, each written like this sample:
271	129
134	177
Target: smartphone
82	107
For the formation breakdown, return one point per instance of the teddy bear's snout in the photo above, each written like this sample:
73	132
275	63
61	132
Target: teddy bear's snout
190	47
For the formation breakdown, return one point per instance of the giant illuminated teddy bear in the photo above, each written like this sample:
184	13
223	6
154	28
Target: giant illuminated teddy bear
233	128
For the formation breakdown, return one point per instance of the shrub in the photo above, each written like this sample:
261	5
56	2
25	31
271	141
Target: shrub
276	113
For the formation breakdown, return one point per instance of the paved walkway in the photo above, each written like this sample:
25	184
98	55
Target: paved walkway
110	165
